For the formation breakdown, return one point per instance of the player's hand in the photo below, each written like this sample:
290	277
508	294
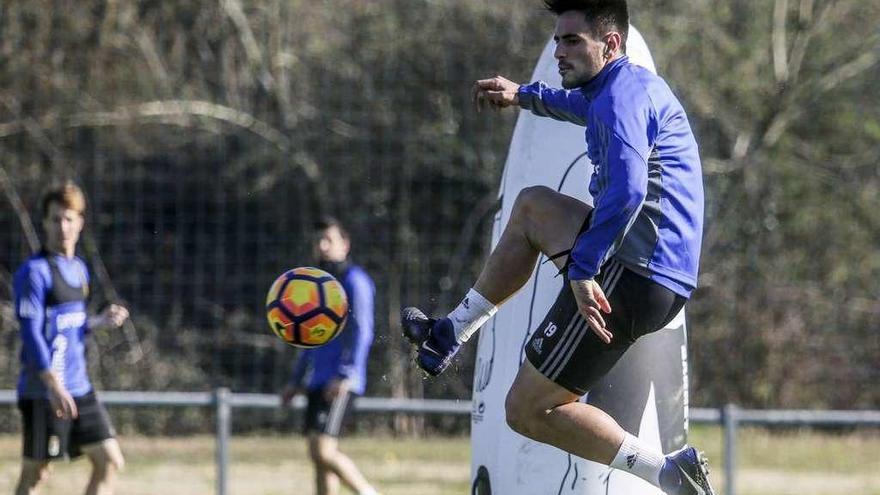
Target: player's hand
592	303
113	316
497	92
336	388
288	393
62	402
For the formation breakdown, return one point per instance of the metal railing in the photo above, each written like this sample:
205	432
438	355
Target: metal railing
730	417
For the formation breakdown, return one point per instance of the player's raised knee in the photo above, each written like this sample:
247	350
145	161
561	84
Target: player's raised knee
531	198
530	204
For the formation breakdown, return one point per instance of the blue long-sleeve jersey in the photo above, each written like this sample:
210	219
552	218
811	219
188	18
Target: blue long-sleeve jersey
50	303
346	355
647	183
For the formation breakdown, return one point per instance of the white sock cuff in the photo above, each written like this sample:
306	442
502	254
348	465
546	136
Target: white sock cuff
638	458
470	315
627	447
479	302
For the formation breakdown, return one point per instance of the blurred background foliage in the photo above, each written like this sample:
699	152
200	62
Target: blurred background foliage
209	134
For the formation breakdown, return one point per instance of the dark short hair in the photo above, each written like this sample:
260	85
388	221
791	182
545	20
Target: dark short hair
602	15
325	222
66	194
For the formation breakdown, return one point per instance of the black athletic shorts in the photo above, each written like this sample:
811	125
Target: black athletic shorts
564	347
326	417
46	437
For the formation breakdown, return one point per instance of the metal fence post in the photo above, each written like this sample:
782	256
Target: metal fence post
729	417
222	403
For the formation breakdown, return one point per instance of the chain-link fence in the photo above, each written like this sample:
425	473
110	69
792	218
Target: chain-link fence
209	139
208	135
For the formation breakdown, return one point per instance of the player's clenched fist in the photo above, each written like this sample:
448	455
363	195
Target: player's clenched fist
497	92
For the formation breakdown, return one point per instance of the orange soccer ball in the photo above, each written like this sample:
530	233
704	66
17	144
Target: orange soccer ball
306	307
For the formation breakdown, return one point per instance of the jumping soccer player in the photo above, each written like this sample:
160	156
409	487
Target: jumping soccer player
629	262
61	415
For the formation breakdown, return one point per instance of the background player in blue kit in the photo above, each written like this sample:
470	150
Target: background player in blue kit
332	374
630	261
61	415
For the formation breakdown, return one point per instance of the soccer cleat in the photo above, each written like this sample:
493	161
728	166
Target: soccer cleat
416	326
435	339
692	470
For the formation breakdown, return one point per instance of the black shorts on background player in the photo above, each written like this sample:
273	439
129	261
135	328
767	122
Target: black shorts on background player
324	416
47	437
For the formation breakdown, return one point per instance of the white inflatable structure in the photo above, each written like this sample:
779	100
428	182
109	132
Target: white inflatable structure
646	392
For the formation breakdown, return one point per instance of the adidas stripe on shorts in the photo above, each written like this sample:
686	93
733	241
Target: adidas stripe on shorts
566	350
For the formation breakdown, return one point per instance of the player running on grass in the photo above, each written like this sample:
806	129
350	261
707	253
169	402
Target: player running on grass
630	262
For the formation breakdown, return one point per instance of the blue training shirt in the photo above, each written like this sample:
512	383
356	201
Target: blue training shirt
51	308
647	183
346	355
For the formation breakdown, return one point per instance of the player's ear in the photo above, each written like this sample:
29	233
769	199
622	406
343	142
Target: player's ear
613	44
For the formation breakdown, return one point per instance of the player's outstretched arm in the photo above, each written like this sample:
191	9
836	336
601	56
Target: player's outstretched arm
497	92
560	104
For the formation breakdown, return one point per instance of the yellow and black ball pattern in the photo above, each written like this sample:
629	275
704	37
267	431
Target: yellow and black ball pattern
306	307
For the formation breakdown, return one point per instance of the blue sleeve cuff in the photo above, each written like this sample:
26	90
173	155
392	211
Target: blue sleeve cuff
527	94
577	273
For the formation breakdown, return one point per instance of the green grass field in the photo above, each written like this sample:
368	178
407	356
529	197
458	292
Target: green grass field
792	463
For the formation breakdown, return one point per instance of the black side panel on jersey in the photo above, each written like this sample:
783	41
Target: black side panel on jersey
62	291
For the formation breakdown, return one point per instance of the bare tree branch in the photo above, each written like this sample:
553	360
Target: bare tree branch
849	70
184	108
176	109
177	112
780	50
805	11
252	50
35	131
147	45
281	60
806	33
829	82
24	218
791	101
